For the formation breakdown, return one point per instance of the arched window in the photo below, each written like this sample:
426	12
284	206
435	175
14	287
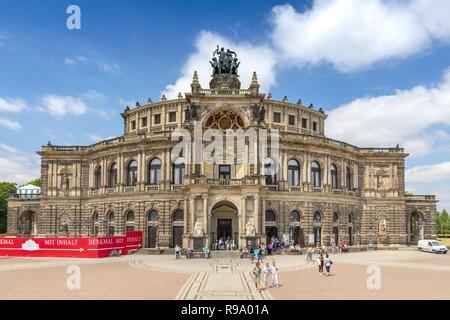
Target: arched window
293	173
178	215
295	216
132	173
110	223
317	218
270	171
334	177
129	221
349	179
112	176
350	218
153	216
335	218
315	174
154	171
98	178
178	171
270	216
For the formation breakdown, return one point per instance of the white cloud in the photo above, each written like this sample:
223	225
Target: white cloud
17	166
94	95
354	34
10	124
429	173
86	61
59	106
259	58
431	179
97	138
406	117
12	104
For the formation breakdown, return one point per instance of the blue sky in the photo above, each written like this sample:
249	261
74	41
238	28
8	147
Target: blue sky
379	70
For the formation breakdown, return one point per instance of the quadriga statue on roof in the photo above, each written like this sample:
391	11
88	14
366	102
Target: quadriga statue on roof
224	62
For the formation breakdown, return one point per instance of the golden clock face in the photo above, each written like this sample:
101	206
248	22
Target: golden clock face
224	120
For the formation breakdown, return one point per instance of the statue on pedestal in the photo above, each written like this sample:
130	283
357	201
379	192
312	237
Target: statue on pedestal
382	227
250	229
198	228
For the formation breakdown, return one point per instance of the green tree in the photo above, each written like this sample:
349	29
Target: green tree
6	189
35	182
443	222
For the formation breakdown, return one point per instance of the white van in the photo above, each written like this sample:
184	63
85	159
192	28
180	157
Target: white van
432	246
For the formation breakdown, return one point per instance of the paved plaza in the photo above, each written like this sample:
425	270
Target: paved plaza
403	275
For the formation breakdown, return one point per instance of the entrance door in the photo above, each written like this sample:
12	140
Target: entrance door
270	232
224	229
336	235
224	172
151	236
177	236
350	236
298	236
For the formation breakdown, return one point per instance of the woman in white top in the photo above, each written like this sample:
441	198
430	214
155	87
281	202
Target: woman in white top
266	273
274	272
328	264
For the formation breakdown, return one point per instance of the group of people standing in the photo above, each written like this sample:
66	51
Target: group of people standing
268	271
323	259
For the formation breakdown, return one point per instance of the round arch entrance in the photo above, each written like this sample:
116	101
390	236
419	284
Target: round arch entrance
224	225
27	224
416	227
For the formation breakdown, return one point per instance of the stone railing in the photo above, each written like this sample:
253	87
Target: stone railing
129	189
152	187
224	182
421	197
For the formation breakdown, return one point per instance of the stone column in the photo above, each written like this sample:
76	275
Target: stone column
205	216
257	213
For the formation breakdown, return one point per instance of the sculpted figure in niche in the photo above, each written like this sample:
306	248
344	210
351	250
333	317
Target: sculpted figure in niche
198	228
250	229
382	227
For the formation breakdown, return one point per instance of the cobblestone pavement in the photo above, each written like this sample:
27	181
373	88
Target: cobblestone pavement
404	275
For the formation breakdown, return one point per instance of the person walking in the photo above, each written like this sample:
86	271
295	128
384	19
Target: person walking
309	253
320	263
328	264
257	276
266	273
206	251
177	252
274	272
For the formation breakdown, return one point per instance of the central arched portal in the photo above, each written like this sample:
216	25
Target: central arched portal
224	225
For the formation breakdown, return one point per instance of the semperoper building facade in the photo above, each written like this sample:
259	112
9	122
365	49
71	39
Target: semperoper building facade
324	190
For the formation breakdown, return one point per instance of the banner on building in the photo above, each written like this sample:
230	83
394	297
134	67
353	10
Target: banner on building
71	247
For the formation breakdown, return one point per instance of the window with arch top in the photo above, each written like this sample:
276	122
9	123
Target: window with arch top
112	175
154	171
295	216
271	216
315	174
132	173
334	177
153	216
293	173
178	171
98	178
349	178
270	171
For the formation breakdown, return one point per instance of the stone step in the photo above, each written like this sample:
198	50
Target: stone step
225	254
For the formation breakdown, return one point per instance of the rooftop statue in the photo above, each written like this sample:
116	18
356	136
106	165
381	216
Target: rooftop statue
224	62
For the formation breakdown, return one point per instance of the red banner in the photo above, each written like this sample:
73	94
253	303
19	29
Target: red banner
71	247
